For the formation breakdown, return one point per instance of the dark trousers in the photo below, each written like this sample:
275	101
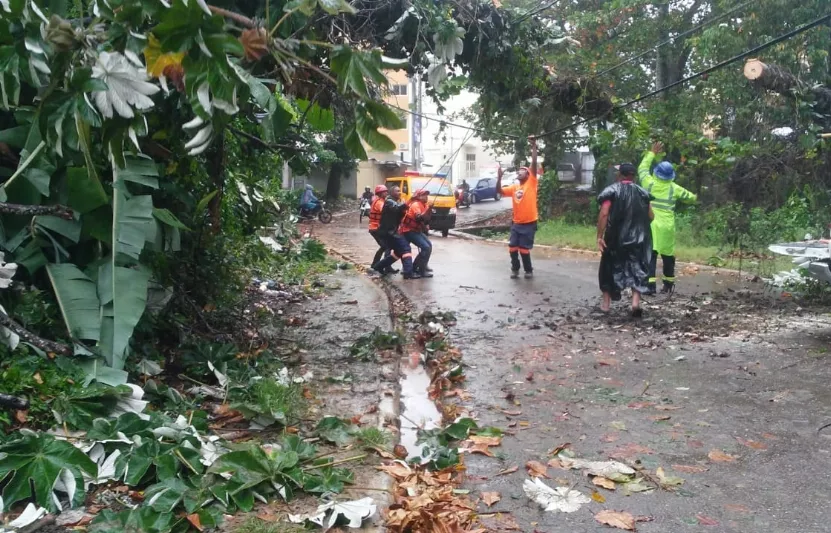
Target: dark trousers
382	248
425	249
400	250
669	269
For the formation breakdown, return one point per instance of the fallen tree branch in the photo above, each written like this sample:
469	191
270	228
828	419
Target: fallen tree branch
779	80
36	210
31	338
260	142
236	17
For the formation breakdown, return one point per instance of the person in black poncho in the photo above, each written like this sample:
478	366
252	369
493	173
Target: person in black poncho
624	239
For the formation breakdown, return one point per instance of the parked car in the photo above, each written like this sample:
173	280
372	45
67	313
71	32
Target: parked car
484	189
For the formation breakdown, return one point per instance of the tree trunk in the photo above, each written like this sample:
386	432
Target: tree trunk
776	79
333	183
216	171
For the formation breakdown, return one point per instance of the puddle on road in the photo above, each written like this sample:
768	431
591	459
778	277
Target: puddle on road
417	410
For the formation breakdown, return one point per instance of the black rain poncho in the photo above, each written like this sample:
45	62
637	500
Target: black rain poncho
625	263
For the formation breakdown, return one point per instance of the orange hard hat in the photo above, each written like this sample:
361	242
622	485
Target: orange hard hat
380	188
421	192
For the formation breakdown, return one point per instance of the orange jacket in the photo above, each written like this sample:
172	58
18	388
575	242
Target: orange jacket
415	218
524	199
375	213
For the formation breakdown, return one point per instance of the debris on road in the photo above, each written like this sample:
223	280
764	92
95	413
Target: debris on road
559	500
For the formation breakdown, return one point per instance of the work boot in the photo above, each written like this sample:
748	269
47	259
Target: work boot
412	275
425	274
650	290
529	274
515	274
668	288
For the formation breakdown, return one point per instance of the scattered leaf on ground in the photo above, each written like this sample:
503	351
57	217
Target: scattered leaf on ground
195	521
735	508
751	444
598	468
640	405
706	520
690	469
536	469
667	407
556	451
667	480
620	426
718	456
490	498
511	413
488	441
604	482
627	451
561	499
509	470
610	437
659	418
599	498
618	519
481	449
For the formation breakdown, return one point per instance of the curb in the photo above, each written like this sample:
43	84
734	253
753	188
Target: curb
707	268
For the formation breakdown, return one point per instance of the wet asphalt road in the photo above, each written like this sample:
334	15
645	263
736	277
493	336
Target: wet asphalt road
660	391
481	210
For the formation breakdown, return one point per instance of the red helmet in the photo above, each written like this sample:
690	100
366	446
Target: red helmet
421	192
380	188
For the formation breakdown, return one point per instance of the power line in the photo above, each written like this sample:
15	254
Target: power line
535	11
442	121
715	67
679	36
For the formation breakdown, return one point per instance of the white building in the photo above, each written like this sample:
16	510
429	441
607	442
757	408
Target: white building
438	146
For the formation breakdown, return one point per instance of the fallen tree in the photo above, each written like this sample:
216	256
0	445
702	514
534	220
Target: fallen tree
779	80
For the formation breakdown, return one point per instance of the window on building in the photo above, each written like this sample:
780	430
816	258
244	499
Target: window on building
399	89
470	165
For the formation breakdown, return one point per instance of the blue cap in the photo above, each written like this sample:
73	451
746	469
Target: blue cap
664	171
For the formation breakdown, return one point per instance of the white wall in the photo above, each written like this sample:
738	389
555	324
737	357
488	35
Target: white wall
439	150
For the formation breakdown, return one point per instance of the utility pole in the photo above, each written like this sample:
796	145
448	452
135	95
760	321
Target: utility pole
415	107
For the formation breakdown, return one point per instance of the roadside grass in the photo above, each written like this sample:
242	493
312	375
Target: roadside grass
562	234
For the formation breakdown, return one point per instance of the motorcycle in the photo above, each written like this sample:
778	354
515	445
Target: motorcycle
463	198
322	214
364	211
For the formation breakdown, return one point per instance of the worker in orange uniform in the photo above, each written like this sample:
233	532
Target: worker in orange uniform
414	227
375	209
524	200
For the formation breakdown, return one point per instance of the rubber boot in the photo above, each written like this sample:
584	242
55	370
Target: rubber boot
526	265
668	288
514	264
407	269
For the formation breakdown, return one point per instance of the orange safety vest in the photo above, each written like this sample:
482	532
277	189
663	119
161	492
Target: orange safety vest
410	221
375	213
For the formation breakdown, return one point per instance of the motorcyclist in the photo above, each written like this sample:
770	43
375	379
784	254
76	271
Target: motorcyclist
391	216
414	228
367	195
308	201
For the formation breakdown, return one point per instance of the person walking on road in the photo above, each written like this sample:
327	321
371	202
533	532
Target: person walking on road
375	209
524	201
414	229
624	239
666	194
391	216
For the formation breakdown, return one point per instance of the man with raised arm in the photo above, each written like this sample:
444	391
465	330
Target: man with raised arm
524	202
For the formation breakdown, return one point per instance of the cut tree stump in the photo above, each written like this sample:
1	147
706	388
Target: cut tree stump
779	80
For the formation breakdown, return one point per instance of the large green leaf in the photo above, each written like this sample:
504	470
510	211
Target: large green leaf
368	130
318	117
123	295
84	190
384	116
71	229
353	143
77	299
166	217
140	170
132	220
80	408
34	462
144	519
96	370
